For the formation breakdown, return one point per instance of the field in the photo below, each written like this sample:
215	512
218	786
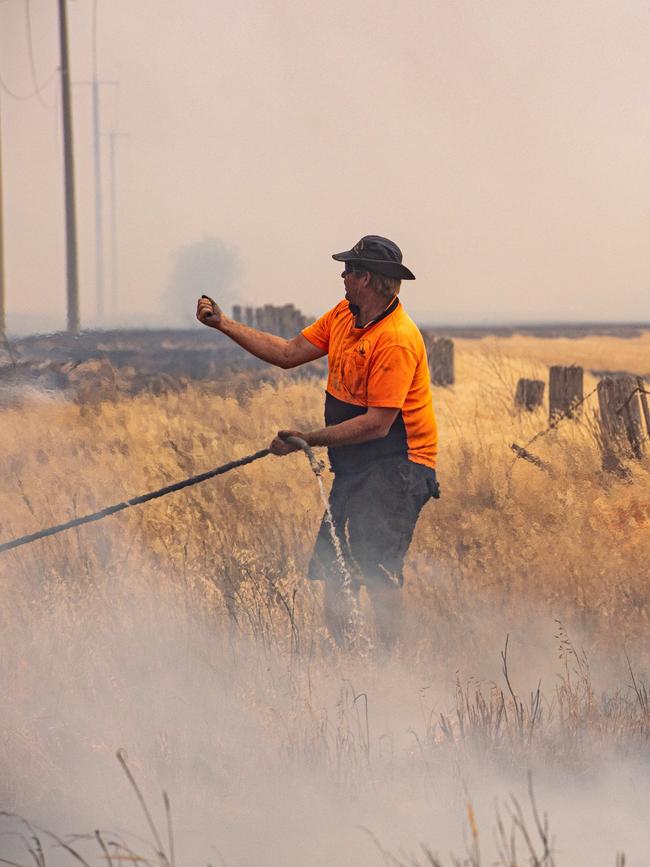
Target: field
183	632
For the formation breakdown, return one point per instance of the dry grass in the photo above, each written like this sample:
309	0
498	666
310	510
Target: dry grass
213	577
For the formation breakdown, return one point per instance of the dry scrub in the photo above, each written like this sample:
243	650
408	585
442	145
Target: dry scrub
185	632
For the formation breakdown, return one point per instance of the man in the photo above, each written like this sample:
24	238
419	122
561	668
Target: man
380	429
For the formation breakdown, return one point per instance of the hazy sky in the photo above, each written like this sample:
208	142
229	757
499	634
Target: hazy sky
504	144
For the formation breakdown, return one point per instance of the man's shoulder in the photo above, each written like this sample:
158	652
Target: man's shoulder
338	316
330	317
341	309
402	331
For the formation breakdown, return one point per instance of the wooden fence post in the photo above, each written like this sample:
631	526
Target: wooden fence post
299	321
287	320
260	319
643	395
529	394
565	390
440	353
620	415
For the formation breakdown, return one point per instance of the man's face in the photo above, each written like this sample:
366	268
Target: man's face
354	280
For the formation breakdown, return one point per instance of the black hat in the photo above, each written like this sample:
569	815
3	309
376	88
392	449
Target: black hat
380	255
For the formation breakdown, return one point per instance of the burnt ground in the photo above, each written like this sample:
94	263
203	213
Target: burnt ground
94	364
573	330
97	364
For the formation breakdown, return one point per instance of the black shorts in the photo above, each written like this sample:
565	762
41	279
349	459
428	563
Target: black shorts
375	512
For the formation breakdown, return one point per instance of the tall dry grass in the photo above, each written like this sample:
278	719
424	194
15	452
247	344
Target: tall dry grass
108	631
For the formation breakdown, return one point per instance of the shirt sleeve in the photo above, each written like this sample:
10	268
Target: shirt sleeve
391	376
318	332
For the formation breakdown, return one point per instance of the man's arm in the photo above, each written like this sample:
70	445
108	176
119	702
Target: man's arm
269	347
372	425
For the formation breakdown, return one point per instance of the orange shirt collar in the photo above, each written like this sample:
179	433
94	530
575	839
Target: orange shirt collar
393	304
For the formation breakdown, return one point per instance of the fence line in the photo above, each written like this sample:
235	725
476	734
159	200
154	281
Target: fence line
522	452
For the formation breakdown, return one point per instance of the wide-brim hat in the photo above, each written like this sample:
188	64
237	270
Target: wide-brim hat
379	255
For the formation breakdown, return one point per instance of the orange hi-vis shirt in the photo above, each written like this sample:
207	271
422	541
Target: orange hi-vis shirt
382	364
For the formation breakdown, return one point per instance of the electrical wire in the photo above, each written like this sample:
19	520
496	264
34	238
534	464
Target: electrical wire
12	93
24	97
32	62
37	89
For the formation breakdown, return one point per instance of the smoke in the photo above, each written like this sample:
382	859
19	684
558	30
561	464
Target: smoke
206	267
286	753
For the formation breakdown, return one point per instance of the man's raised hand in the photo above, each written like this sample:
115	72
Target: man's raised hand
208	311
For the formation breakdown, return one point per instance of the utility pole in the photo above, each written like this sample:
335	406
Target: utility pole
99	206
68	163
3	320
99	227
112	136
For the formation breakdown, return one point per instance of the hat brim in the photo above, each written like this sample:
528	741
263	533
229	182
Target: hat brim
379	266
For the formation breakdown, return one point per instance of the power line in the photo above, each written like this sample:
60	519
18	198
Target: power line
32	62
37	89
12	93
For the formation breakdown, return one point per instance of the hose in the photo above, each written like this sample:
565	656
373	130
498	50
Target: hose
161	492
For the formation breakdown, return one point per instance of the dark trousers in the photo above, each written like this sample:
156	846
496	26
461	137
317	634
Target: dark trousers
374	512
